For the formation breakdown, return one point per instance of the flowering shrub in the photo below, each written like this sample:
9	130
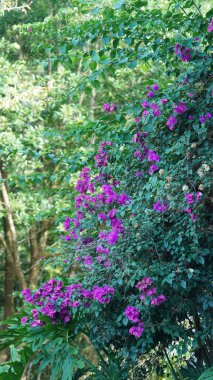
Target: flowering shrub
131	228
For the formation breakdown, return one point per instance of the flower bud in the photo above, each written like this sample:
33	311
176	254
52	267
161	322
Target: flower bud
201	187
185	188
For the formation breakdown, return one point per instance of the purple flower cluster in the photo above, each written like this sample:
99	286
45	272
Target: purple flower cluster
137	330
180	108
205	117
144	152
102	157
190	200
132	313
57	302
147	291
109	107
183	52
160	206
210	27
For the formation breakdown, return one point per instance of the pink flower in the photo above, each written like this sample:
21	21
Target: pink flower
137	119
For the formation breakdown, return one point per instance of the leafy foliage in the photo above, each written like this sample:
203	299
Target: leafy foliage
142	226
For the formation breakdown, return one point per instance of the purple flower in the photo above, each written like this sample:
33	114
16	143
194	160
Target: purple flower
150	94
78	258
103	294
112	213
145	104
109	108
177	49
188	210
34	313
190	117
102	216
24	320
139	174
137	330
155	87
123	199
171	122
193	217
210	27
185	54
36	323
163	101
145	113
156	111
144	283
198	196
137	119
196	39
132	313
67	223
112	237
208	115
153	168
152	156
180	108
202	119
158	300
87	261
160	206
189	198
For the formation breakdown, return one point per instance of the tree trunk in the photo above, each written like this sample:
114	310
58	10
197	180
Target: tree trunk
8	285
10	234
38	241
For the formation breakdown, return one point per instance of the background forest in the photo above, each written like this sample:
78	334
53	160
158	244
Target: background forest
118	94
